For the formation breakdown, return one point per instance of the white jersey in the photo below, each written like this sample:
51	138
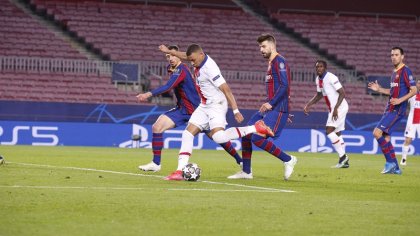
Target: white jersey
413	121
414	115
329	85
209	78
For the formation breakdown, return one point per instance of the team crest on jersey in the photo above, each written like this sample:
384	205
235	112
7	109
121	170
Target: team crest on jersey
281	65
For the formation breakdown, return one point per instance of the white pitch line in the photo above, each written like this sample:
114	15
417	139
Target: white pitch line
149	175
128	188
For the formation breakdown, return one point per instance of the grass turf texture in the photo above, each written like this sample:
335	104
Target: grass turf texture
62	201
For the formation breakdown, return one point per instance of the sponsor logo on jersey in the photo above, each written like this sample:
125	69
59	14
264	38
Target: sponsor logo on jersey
394	84
216	77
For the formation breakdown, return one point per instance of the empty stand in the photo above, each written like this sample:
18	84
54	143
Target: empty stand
21	35
133	32
362	41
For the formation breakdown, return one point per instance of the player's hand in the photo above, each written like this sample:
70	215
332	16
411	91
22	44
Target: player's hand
374	86
395	101
306	110
164	49
290	118
335	114
142	97
265	107
239	118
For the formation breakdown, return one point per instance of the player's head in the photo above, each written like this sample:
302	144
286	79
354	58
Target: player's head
320	67
267	44
195	54
397	56
173	60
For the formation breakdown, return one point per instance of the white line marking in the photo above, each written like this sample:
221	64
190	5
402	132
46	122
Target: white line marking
128	188
150	175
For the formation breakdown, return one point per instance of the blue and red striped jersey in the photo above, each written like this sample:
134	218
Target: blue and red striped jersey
183	84
401	81
277	83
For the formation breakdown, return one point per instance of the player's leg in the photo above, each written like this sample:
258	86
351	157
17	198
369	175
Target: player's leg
246	172
382	135
276	121
185	151
168	120
410	133
405	148
198	122
229	148
333	130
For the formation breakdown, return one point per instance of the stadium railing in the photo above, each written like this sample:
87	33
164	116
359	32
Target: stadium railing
104	68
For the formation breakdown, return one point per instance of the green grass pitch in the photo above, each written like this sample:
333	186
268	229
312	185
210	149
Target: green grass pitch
99	191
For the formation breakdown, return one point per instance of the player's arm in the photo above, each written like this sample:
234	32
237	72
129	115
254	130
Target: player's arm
341	96
377	88
232	102
179	54
396	101
318	96
172	82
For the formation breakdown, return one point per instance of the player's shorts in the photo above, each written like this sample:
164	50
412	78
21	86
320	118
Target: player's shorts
210	116
340	123
388	121
273	119
411	130
177	116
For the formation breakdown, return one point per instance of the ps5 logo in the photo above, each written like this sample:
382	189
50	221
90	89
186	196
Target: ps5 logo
319	140
40	135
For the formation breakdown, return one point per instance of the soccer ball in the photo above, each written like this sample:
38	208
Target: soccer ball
191	172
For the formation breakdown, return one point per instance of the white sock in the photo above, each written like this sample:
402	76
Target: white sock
335	140
342	143
186	149
238	132
405	151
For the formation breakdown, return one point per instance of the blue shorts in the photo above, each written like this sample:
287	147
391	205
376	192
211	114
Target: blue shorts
177	116
273	119
388	121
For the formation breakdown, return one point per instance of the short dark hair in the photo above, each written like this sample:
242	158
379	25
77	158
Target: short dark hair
193	48
266	37
398	48
173	47
323	62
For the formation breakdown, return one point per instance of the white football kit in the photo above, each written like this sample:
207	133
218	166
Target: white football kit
211	112
329	86
413	120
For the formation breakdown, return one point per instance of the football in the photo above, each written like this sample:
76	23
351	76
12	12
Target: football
191	172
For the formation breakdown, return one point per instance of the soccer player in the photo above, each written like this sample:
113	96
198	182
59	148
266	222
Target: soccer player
329	87
274	112
183	84
413	123
211	113
402	88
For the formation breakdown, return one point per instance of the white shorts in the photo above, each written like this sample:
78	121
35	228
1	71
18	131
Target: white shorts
340	123
411	130
208	117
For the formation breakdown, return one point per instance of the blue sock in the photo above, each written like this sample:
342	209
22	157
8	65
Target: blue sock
157	145
246	153
385	147
270	147
232	151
